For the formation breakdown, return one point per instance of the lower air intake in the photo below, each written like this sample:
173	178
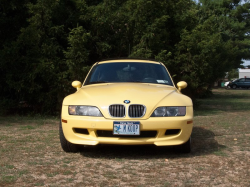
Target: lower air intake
143	134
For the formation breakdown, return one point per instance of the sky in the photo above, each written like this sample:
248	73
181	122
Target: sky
246	62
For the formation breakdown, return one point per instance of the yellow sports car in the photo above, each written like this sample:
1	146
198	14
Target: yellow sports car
127	102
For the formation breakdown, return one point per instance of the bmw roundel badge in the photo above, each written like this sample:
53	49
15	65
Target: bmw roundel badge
127	101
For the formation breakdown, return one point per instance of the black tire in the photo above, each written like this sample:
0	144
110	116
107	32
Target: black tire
66	145
184	148
234	86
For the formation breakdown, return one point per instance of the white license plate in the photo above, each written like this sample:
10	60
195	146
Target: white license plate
126	128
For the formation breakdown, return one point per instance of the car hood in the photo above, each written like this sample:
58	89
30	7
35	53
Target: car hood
150	95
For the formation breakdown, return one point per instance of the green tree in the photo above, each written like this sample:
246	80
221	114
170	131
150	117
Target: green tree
214	46
77	55
37	72
233	74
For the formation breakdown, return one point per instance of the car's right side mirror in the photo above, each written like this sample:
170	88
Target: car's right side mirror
181	85
76	84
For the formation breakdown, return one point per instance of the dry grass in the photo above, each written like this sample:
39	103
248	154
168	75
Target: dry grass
30	153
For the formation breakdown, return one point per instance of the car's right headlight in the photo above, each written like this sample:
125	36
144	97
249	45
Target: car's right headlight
169	111
84	111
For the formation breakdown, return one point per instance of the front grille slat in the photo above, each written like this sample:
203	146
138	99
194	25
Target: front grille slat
120	110
117	110
136	111
133	109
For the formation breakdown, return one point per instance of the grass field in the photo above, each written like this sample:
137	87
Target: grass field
30	152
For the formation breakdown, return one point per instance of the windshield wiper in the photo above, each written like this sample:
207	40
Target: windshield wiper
135	81
97	82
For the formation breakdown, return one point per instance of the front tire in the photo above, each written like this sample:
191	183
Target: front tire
184	148
65	144
234	86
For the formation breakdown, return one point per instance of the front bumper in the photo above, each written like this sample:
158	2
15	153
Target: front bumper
159	124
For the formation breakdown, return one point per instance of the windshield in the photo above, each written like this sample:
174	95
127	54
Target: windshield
129	72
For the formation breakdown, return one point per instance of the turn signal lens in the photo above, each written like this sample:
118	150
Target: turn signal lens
72	110
64	121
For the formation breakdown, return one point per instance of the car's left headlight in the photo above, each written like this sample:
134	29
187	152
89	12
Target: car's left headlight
169	111
84	111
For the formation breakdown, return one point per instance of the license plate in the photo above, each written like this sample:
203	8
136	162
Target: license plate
126	128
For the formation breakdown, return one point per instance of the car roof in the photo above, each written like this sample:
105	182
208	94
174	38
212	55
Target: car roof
128	60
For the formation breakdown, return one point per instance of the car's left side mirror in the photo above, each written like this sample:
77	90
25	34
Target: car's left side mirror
76	84
181	85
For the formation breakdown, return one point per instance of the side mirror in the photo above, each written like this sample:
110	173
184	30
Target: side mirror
181	85
76	84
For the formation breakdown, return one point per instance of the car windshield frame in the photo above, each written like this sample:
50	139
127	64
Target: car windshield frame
129	72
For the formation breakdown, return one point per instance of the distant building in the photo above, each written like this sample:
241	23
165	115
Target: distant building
244	73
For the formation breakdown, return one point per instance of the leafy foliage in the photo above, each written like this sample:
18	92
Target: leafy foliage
233	74
46	44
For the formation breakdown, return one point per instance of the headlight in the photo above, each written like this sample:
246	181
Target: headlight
169	111
84	111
